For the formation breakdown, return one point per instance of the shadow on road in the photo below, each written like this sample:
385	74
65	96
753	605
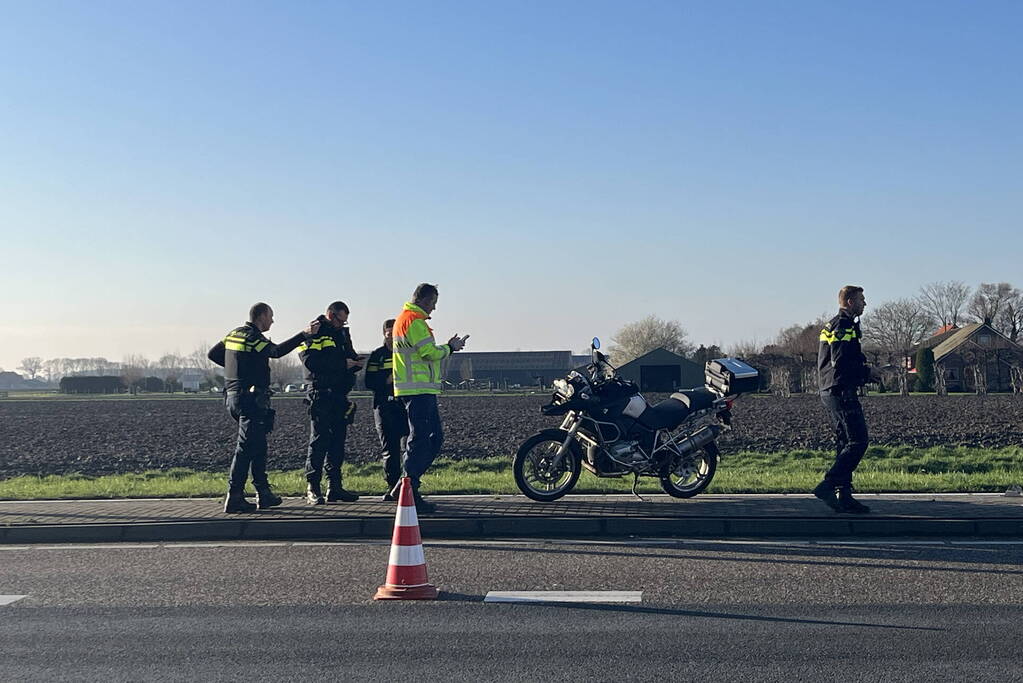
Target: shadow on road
801	555
635	609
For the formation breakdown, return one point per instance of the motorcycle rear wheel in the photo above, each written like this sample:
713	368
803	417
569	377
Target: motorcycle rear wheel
688	475
533	466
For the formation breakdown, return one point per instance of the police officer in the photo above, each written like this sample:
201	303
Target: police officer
245	356
842	370
330	365
417	382
389	414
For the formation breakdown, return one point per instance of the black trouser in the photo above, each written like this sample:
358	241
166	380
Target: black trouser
328	429
255	420
850	434
392	429
425	435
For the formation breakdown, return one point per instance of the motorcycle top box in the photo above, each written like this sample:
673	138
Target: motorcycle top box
730	376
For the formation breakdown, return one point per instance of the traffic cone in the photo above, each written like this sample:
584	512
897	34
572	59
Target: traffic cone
406	570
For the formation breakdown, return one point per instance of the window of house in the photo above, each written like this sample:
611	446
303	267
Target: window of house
953	373
984	339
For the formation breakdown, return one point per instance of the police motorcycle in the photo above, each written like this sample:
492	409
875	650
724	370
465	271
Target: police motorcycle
611	430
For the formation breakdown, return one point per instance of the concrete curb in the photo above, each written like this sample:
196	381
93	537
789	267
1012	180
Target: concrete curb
441	528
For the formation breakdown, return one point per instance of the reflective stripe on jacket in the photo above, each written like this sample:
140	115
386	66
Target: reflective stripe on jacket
245	356
840	359
416	356
325	357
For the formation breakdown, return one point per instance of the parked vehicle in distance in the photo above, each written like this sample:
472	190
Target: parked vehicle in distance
292	388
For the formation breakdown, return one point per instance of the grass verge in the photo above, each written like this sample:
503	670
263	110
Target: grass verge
884	469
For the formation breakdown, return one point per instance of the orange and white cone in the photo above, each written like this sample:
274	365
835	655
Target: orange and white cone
406	570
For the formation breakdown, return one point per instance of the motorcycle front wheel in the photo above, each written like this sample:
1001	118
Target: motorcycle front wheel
685	476
535	473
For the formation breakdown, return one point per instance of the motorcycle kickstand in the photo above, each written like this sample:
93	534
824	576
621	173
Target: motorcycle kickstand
635	483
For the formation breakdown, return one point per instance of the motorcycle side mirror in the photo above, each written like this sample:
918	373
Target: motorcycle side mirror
595	343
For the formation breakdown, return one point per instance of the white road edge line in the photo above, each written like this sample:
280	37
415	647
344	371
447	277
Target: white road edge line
8	599
564	596
215	544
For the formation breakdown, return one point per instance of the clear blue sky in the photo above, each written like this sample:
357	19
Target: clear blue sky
568	167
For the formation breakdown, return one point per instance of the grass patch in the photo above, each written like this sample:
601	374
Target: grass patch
884	469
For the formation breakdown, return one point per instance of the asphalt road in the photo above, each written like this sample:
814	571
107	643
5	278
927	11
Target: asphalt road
716	611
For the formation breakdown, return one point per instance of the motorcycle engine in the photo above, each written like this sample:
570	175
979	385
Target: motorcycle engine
627	452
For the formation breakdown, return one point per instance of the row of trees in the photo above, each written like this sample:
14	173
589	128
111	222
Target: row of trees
134	369
893	331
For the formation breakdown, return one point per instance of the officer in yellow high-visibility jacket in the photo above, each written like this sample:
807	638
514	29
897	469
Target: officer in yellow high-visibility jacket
417	382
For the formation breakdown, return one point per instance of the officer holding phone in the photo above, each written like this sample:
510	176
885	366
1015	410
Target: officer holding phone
330	364
417	382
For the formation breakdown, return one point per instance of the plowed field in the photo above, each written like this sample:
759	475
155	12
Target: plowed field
97	436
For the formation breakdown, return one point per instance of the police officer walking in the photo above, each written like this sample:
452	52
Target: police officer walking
245	355
842	370
417	382
330	365
389	414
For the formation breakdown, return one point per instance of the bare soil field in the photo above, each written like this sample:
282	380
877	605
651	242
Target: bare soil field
98	436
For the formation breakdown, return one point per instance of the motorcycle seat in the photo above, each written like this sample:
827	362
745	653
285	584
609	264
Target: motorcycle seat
664	415
695	399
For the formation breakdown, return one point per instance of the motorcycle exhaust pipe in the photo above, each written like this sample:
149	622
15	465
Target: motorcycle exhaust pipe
698	439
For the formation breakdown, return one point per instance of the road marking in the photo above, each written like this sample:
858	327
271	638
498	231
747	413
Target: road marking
676	543
224	545
564	596
8	599
95	546
986	542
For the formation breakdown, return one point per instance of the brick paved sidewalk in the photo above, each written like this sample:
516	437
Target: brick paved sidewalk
514	516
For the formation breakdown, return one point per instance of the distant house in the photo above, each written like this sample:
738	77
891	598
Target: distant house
975	354
506	368
14	381
662	371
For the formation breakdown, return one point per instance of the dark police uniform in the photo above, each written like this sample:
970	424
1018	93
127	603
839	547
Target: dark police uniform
389	414
245	356
325	357
842	370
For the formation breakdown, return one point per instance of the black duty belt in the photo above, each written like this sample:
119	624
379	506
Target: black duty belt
255	391
842	391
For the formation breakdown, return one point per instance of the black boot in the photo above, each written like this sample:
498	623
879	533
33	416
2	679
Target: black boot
235	502
313	494
850	504
265	498
391	494
826	492
423	506
335	493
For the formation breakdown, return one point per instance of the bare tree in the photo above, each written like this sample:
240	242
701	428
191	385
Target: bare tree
781	380
52	369
1016	378
745	348
200	360
800	343
641	337
895	327
940	383
170	365
988	300
945	301
1009	320
284	370
977	361
133	370
31	365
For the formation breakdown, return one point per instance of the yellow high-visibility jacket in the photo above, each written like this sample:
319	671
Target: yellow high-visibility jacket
417	356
